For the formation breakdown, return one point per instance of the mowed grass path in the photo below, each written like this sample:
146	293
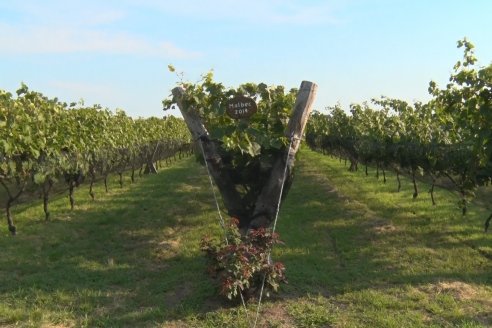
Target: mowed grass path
358	254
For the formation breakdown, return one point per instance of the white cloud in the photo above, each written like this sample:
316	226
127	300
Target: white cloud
70	39
250	11
60	26
64	12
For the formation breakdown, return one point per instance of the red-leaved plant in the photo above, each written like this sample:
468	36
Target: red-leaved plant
241	263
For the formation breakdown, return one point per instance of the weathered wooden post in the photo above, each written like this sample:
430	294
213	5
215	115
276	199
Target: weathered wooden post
230	196
265	206
266	203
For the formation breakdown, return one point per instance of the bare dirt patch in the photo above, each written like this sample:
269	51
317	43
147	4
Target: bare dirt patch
168	248
469	294
176	324
171	245
174	297
459	290
52	325
276	316
384	228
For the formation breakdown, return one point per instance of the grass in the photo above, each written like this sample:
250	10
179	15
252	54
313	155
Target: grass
358	254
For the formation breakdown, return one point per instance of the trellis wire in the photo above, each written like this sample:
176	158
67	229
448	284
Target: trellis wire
221	219
273	230
222	223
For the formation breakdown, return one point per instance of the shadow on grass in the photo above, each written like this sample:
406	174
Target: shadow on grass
336	244
128	258
133	259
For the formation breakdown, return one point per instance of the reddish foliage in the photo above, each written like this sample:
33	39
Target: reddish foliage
241	263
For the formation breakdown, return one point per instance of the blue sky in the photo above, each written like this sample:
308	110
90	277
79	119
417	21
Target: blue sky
115	52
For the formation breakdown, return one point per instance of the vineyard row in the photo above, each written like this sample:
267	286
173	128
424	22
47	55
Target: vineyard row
44	141
449	137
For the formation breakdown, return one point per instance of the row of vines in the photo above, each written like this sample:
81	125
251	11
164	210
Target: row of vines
44	142
449	138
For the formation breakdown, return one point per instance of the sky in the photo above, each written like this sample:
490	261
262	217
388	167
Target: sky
115	52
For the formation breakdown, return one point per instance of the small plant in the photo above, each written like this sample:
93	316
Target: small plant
241	262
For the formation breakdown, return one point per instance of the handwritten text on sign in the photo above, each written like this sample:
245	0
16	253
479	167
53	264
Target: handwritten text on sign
241	107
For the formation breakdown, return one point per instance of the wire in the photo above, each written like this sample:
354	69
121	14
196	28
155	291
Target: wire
273	229
221	219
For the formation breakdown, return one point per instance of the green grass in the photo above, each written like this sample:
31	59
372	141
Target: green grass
358	254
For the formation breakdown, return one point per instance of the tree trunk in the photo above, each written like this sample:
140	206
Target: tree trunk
384	175
487	222
106	182
91	186
353	165
464	202
398	179
10	220
71	188
121	179
10	201
47	185
415	189
432	190
366	171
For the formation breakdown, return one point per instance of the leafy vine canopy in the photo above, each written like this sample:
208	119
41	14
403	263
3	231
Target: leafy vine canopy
248	147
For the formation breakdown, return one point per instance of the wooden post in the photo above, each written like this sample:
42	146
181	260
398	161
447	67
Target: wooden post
266	204
230	196
151	168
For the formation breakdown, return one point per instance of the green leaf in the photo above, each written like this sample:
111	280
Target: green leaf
39	178
6	147
254	149
276	143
